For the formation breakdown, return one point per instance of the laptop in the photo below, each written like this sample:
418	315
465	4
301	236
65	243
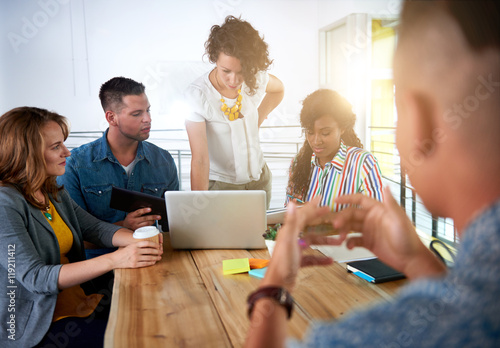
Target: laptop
216	219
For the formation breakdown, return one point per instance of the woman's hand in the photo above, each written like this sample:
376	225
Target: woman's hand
388	233
133	254
136	255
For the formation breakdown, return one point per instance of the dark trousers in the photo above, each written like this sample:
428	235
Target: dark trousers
76	332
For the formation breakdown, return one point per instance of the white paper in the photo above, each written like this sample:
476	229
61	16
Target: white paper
340	253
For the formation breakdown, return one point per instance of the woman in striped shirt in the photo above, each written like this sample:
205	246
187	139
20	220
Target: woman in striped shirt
331	162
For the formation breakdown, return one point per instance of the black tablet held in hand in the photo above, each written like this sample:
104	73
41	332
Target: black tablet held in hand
128	201
374	271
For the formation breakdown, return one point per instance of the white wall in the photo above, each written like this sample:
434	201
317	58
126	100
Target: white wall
56	53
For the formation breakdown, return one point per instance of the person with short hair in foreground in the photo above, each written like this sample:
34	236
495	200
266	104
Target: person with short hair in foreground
447	78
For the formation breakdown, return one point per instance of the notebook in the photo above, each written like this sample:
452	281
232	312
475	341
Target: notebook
374	271
216	219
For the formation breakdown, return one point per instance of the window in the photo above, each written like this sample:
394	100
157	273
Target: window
356	60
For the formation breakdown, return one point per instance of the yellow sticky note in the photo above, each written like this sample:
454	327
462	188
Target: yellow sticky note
235	266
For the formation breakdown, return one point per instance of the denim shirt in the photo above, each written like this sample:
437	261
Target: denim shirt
92	170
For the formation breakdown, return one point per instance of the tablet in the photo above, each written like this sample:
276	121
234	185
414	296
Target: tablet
128	201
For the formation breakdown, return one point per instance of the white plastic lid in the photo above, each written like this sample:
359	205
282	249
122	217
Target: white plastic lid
145	232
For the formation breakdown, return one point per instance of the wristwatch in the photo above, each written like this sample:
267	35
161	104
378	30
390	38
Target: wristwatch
278	294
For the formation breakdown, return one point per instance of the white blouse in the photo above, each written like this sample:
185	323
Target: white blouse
233	146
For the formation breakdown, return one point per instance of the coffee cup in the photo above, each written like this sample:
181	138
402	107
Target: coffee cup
150	233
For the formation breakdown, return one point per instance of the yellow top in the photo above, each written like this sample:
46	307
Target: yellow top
71	302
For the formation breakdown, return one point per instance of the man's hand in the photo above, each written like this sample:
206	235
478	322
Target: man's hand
137	219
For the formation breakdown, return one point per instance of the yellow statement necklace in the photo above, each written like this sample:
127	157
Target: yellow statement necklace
234	112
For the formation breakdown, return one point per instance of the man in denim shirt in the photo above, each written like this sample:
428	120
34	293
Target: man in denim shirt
121	158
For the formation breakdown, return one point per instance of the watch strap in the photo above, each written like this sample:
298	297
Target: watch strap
279	294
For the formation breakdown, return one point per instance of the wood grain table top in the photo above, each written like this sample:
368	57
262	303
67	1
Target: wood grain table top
186	301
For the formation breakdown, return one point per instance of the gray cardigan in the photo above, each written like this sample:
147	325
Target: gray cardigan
30	262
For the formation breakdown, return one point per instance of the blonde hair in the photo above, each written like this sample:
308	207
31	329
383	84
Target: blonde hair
22	161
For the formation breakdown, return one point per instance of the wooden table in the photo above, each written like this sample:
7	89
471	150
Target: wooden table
186	301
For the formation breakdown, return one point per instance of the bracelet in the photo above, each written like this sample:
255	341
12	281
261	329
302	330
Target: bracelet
279	294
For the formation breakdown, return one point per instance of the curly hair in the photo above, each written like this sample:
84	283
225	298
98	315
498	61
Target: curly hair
317	104
237	38
22	161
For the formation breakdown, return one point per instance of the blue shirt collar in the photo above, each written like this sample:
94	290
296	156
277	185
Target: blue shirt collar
106	153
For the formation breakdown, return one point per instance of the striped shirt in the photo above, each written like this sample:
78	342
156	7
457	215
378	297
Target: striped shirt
352	170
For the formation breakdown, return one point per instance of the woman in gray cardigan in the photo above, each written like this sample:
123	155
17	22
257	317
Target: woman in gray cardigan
42	260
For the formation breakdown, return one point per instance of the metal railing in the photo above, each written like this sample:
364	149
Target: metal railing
415	209
179	149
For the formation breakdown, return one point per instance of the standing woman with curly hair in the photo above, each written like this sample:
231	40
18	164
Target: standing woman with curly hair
331	162
227	107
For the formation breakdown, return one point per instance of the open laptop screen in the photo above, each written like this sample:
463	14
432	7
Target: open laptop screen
216	219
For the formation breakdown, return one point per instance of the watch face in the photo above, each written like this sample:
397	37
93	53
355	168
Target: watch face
283	296
279	294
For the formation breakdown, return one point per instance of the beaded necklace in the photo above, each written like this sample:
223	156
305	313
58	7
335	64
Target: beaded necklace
46	213
45	210
235	112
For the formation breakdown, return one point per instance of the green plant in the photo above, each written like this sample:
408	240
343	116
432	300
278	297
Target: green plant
272	232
